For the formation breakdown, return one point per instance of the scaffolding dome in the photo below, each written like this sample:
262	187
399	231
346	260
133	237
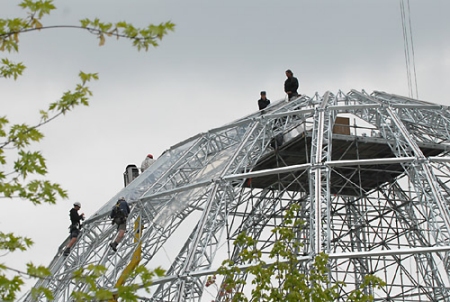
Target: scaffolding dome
371	172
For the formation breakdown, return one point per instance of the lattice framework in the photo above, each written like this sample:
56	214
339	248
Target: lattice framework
213	186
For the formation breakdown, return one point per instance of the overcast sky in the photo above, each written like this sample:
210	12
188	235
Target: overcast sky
207	73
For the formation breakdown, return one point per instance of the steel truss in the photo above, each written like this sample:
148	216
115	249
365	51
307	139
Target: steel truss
374	198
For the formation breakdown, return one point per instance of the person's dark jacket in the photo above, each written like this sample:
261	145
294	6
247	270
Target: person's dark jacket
120	210
291	84
263	103
124	207
75	218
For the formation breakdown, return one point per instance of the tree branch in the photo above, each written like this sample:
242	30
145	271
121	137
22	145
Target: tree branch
89	29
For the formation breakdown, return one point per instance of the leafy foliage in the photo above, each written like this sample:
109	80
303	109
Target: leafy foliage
142	38
9	69
29	163
23	175
127	293
288	277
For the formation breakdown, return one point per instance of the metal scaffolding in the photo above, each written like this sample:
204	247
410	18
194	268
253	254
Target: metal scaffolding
371	172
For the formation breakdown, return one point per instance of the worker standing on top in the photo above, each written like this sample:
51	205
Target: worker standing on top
148	161
291	85
75	226
263	102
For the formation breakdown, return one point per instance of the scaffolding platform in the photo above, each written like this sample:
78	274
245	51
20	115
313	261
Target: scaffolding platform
345	180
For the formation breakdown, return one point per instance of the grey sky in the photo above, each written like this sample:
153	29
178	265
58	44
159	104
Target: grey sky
205	74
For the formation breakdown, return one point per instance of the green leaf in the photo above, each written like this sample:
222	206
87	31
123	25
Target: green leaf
159	272
10	242
103	295
39	191
30	162
10	69
9	287
85	23
38	271
39	8
22	135
38	291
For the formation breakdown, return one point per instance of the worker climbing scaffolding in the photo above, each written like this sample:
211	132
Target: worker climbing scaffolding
75	226
119	215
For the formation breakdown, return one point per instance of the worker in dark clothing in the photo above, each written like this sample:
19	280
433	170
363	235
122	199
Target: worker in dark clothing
75	226
291	84
263	102
119	214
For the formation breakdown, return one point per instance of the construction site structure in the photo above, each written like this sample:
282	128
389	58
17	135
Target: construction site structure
371	172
